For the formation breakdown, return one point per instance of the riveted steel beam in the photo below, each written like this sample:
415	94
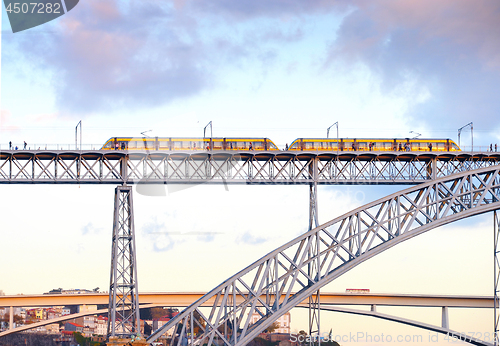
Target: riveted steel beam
338	246
197	167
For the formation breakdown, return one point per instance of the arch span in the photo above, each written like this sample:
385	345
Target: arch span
317	257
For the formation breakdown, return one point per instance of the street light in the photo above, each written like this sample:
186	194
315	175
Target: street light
471	134
211	135
417	134
76	135
328	130
143	133
328	133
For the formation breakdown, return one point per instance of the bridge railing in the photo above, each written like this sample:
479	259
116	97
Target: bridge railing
49	146
97	146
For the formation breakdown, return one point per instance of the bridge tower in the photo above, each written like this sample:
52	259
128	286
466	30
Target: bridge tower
496	266
123	316
313	269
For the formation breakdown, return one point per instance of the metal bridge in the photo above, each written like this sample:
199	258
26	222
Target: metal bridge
245	167
453	186
314	259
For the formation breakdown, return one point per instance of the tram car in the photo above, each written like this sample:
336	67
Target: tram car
172	144
372	144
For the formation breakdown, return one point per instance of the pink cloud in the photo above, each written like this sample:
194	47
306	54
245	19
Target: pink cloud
43	117
5	121
468	26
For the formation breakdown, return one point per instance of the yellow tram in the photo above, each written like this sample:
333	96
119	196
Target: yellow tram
372	144
265	144
172	144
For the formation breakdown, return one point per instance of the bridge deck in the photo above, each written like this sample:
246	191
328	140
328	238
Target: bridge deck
223	167
185	299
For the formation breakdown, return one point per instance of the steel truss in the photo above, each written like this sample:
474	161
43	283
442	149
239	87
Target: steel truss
496	270
339	245
123	309
119	167
314	300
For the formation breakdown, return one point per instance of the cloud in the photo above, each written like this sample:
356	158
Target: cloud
450	47
147	53
90	229
5	121
137	54
251	239
106	56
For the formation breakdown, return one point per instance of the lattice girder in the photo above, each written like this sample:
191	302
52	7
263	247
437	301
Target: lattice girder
119	167
285	277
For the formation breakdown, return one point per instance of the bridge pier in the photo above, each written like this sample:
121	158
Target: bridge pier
496	273
11	317
123	316
445	322
314	300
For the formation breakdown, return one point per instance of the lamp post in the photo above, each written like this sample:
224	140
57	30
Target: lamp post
211	135
416	133
328	133
471	134
144	133
76	135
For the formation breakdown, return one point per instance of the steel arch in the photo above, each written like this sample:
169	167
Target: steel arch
339	245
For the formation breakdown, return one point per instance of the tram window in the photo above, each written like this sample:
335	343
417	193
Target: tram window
271	146
177	145
294	145
440	146
109	145
258	145
362	145
454	146
217	145
150	144
329	146
309	145
163	144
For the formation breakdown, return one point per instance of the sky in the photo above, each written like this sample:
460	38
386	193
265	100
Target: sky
276	69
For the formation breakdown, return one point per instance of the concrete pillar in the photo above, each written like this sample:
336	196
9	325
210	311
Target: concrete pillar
11	317
445	323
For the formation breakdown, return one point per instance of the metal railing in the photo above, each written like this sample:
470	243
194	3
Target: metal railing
49	146
52	146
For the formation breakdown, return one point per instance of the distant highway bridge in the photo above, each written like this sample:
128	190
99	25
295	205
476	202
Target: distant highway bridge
330	302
